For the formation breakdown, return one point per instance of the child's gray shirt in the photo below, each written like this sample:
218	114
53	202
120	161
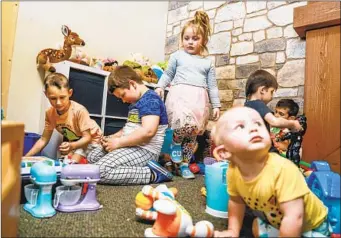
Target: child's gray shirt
184	68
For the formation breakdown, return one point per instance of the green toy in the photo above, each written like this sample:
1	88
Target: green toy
163	65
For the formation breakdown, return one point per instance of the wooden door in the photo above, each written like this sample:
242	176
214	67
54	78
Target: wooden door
9	12
322	96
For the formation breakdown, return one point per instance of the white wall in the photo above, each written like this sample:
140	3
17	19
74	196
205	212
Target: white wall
109	29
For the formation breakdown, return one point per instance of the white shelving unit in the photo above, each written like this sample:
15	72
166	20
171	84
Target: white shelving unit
66	67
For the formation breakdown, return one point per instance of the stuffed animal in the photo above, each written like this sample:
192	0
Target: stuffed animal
148	74
97	63
144	204
80	57
140	59
171	219
110	64
163	65
145	72
48	56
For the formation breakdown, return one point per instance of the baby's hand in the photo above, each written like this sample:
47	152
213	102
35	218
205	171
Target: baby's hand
160	92
227	233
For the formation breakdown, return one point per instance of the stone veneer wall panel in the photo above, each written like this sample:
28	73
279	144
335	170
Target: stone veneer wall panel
247	35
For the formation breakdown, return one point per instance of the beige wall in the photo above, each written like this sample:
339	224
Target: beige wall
110	29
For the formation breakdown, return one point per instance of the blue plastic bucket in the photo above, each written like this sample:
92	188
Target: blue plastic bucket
216	189
29	140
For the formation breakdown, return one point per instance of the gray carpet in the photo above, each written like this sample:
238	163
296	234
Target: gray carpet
117	217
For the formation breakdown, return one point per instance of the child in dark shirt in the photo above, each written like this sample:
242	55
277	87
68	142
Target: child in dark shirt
259	90
287	109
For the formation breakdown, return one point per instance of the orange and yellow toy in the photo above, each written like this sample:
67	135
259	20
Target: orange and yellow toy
171	219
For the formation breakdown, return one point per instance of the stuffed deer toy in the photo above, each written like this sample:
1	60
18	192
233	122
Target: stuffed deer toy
48	56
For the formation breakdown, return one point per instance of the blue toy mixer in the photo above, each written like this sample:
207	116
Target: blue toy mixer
39	194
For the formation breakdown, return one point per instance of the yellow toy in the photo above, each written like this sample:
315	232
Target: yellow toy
171	219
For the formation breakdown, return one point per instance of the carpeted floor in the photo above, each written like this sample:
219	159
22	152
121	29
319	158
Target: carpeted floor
117	217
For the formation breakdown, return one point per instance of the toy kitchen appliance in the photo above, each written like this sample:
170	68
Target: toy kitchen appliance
69	197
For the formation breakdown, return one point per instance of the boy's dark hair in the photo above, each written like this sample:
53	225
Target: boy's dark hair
290	104
120	76
258	79
56	79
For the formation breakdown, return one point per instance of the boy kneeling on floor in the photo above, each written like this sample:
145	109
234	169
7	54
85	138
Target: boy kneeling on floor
130	156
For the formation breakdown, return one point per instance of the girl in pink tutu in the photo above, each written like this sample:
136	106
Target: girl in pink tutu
191	76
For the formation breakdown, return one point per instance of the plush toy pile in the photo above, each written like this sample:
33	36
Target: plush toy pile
69	50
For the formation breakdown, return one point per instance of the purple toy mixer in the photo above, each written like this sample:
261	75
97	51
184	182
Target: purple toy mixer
69	198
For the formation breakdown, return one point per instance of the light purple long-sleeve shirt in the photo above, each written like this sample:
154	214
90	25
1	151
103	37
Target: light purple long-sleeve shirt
184	68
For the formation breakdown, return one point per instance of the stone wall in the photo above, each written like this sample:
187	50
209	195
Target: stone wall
247	35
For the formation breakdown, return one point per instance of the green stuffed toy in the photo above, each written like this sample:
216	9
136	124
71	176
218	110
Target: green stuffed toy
163	65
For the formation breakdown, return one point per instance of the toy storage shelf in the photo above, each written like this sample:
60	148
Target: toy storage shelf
89	86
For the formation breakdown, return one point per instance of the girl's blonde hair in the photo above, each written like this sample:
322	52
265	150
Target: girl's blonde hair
201	25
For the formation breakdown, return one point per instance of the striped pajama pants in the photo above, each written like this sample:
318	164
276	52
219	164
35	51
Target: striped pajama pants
123	166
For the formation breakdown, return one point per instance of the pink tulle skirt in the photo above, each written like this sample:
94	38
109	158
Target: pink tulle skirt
189	105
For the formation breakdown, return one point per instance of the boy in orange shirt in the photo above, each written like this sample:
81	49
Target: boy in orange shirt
80	133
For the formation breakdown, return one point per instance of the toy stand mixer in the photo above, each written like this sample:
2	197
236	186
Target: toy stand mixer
39	194
69	198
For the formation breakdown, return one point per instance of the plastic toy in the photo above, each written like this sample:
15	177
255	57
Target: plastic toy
325	184
296	139
157	70
194	168
28	161
144	203
39	194
69	198
48	56
171	219
216	189
203	191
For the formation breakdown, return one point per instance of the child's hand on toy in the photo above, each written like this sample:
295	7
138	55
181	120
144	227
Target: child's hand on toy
65	148
110	143
216	113
160	92
227	233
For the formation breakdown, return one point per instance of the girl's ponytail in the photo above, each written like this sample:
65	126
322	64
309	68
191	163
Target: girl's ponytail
201	18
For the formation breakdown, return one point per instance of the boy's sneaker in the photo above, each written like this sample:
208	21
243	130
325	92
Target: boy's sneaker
160	173
176	153
185	172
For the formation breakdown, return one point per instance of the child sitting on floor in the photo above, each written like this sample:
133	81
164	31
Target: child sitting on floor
80	133
130	156
264	182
